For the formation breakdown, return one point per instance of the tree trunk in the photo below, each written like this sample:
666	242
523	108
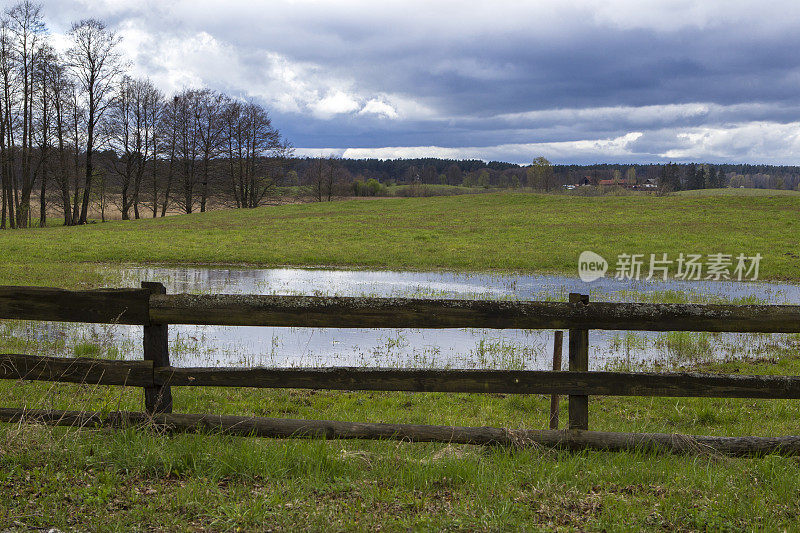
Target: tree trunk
168	186
87	184
204	189
43	198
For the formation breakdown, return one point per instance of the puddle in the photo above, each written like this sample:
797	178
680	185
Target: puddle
454	348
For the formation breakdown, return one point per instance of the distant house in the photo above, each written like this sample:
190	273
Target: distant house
649	183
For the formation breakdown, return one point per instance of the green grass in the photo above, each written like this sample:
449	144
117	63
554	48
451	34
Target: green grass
135	479
95	480
738	192
503	231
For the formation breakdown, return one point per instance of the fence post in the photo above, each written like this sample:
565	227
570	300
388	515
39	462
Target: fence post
558	342
157	399
578	362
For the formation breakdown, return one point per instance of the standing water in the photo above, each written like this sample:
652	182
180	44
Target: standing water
454	348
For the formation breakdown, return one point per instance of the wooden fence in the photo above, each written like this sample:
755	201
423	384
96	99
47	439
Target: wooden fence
153	309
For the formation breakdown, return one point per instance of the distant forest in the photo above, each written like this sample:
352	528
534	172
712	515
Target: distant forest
370	176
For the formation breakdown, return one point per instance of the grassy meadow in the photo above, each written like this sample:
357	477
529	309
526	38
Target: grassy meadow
101	480
499	231
737	192
140	479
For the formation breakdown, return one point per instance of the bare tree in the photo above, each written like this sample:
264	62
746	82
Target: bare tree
45	61
77	121
96	64
323	177
334	176
132	117
314	178
76	132
122	131
187	145
208	108
255	153
27	35
7	128
168	139
61	87
152	110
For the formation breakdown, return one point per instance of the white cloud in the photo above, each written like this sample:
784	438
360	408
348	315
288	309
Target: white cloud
379	108
189	60
644	115
616	147
756	142
753	142
319	152
334	103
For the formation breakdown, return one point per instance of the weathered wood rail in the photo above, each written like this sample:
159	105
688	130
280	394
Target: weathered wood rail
152	308
144	374
147	306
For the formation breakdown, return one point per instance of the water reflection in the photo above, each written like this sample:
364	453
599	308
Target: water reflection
457	348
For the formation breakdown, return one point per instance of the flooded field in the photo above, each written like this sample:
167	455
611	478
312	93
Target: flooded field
454	348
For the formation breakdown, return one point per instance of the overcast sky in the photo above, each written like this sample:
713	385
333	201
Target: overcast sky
577	82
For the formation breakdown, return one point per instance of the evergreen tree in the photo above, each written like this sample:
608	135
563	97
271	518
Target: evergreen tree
694	177
670	179
715	178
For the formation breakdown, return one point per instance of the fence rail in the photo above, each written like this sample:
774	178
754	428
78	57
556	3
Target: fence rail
144	374
144	307
152	308
329	429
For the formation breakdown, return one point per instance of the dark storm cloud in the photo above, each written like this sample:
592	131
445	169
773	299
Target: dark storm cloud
665	80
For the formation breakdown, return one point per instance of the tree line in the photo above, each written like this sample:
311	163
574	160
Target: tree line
370	177
77	130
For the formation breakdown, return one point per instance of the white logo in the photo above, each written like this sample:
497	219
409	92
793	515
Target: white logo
591	266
